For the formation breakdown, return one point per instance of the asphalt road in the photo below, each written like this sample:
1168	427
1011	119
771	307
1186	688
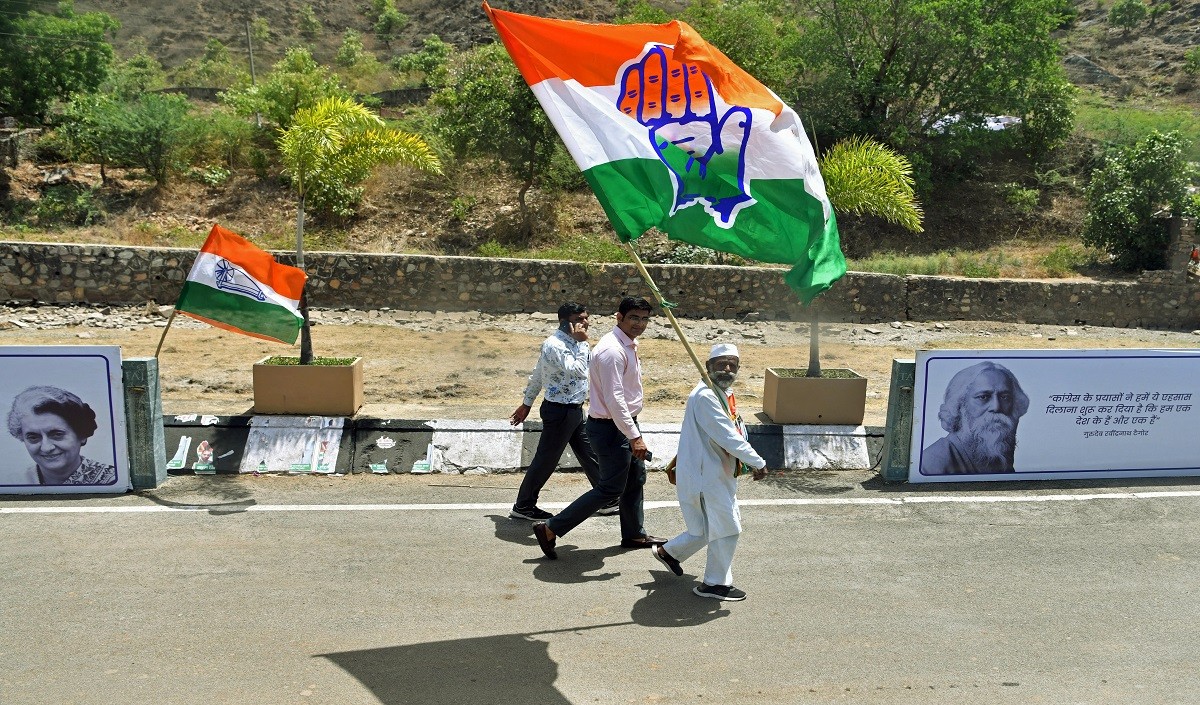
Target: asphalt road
401	589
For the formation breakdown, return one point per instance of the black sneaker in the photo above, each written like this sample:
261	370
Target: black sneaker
532	514
609	510
666	559
720	592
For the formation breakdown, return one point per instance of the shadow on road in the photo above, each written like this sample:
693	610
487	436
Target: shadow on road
509	668
810	482
1118	484
519	531
231	497
669	602
574	564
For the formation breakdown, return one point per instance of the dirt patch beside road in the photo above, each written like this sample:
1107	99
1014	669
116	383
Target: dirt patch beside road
421	365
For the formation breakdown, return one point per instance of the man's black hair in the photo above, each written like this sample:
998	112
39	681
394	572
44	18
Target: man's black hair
630	303
569	309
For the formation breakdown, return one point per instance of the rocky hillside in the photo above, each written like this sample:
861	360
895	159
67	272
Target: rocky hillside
403	212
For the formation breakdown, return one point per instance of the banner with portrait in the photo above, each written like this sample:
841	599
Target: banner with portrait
1054	414
65	411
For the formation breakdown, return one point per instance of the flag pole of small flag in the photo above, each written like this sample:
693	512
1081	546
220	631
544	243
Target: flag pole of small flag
239	287
671	134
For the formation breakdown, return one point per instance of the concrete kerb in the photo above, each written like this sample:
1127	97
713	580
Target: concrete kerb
364	444
457	446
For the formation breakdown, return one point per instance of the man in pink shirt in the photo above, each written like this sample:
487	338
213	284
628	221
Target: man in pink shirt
615	381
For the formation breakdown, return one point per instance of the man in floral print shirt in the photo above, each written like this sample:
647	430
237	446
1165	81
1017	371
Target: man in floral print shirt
562	369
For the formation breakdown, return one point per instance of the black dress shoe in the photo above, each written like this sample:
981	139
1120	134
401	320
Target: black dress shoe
642	542
542	532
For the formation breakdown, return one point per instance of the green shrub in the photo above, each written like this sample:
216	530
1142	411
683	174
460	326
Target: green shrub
461	206
491	248
67	205
684	253
260	163
1049	118
213	175
220	136
1064	261
1023	200
1191	61
1126	195
978	268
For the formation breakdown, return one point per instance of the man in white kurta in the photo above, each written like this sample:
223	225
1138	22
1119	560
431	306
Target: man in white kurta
711	442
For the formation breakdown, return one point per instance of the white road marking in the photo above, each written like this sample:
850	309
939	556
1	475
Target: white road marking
504	507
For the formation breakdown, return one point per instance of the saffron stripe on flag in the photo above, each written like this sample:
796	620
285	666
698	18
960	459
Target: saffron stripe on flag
258	263
592	54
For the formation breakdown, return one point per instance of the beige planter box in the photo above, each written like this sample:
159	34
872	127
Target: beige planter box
308	390
789	399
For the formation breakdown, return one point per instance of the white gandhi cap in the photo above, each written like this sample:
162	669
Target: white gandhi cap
723	349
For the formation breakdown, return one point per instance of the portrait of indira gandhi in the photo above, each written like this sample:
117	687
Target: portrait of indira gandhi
54	425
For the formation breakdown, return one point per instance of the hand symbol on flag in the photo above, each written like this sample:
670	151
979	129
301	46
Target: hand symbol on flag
704	152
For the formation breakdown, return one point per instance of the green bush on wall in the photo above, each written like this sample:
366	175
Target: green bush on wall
1127	196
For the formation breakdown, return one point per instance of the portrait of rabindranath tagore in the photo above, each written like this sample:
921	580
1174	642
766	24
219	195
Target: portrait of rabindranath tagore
980	411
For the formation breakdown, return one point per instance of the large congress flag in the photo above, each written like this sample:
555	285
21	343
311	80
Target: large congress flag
239	287
672	134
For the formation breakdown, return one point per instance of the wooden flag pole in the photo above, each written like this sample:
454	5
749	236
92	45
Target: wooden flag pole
164	335
666	307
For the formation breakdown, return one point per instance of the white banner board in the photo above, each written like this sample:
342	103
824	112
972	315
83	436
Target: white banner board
65	411
1054	414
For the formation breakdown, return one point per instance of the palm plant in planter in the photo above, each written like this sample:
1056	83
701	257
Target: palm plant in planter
328	150
862	177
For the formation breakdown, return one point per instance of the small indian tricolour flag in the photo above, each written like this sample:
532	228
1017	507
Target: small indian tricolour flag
672	134
241	288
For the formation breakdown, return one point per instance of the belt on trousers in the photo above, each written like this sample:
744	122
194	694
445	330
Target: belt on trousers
559	403
597	418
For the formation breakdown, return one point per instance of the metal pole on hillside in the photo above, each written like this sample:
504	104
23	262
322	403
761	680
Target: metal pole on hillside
250	49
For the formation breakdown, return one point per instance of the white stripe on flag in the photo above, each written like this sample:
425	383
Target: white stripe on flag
204	271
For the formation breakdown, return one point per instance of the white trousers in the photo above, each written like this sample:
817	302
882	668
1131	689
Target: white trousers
718	567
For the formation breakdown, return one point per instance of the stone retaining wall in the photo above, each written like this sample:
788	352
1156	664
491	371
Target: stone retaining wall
56	273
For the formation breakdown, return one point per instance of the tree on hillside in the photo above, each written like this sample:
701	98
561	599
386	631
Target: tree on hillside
891	70
296	81
47	57
215	68
428	64
1130	197
149	132
485	109
129	78
331	148
1127	14
89	126
310	24
389	21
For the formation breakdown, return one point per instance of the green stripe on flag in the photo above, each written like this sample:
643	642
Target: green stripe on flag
786	225
259	317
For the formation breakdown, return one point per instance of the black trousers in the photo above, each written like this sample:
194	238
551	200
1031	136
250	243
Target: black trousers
562	425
